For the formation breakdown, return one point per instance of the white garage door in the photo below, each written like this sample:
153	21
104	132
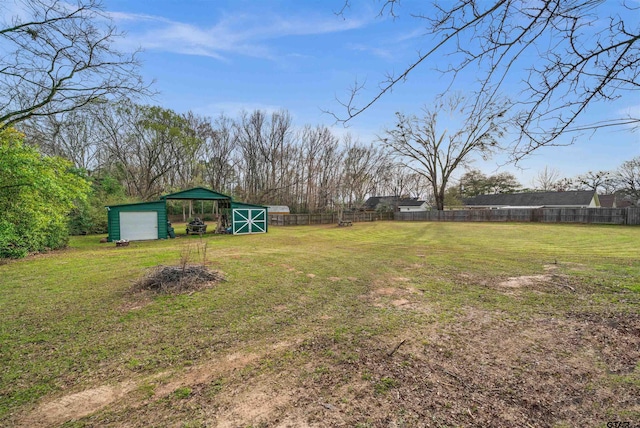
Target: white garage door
137	226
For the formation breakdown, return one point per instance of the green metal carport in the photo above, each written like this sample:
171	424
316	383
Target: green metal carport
245	218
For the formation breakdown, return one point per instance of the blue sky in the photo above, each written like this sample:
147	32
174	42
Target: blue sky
224	56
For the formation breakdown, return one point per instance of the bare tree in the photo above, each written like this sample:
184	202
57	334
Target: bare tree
145	145
219	144
571	52
360	166
418	187
74	135
547	179
436	154
318	168
627	177
564	185
57	56
264	142
598	181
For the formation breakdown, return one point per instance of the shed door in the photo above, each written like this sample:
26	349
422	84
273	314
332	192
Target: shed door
247	220
137	226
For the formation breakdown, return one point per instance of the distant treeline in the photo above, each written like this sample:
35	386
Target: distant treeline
255	157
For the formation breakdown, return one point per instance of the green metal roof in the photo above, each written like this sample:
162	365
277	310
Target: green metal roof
244	205
133	204
197	193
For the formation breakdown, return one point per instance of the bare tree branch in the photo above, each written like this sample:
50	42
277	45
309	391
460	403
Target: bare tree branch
569	58
61	58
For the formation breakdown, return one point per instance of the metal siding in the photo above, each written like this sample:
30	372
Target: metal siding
113	225
113	217
162	222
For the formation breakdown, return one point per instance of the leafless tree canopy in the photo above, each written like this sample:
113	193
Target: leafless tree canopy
57	56
426	146
547	179
569	52
257	157
627	178
602	182
263	158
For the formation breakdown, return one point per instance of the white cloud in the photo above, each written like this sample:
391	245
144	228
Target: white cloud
379	52
630	111
240	34
134	17
418	32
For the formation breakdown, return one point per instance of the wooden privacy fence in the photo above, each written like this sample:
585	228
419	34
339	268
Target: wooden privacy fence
302	219
629	216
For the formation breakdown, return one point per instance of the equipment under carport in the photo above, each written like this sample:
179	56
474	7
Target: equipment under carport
196	226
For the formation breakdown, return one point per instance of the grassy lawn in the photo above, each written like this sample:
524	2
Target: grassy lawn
379	324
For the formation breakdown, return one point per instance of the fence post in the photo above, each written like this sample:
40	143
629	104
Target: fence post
626	216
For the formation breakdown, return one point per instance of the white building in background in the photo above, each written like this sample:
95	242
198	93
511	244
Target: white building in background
278	209
412	205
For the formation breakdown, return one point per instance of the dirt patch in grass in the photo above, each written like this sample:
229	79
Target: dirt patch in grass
255	402
614	337
531	281
78	405
75	406
399	298
525	281
480	371
205	373
550	282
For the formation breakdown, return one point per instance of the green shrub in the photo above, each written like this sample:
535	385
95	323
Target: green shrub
37	193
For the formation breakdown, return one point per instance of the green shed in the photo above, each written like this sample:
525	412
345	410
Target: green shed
137	222
248	218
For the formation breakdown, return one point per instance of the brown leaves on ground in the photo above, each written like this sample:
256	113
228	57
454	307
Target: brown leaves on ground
483	370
